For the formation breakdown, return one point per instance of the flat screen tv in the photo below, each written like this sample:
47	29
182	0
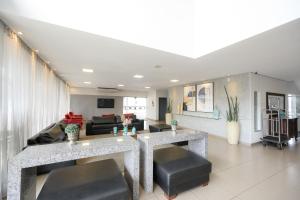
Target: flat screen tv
106	103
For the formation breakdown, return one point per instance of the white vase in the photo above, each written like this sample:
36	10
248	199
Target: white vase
233	132
168	118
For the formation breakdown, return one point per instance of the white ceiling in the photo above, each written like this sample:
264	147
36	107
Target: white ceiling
72	39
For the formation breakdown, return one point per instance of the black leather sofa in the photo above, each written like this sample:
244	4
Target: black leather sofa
101	180
177	170
52	134
104	125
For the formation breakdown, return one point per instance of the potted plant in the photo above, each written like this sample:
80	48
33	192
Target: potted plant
232	115
72	130
174	124
169	112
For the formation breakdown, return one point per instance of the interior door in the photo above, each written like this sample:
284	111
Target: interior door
162	108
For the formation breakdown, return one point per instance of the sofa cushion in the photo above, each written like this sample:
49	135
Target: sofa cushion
118	119
100	180
103	120
50	135
108	115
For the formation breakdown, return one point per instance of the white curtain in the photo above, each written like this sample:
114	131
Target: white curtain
31	97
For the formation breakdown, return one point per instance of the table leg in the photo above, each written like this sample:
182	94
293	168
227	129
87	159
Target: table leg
146	161
21	183
131	162
199	146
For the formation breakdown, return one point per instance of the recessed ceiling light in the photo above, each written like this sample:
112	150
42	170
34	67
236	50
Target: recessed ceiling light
87	70
147	87
20	33
174	81
157	66
87	82
121	85
138	76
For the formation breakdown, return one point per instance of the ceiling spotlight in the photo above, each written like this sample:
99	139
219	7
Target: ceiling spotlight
87	70
20	33
87	82
36	51
138	76
147	87
174	81
121	85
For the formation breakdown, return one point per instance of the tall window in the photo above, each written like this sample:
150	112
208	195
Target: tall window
136	105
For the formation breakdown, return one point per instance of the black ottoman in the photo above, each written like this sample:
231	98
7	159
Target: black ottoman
92	181
177	170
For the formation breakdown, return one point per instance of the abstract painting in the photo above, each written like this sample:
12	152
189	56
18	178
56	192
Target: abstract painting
205	97
189	98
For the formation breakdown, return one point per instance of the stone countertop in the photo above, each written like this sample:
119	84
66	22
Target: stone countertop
166	137
22	167
197	143
58	152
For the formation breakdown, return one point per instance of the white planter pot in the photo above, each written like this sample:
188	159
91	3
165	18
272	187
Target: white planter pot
233	132
173	127
73	138
168	118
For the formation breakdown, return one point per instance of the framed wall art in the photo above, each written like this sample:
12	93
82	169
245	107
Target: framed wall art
189	98
205	97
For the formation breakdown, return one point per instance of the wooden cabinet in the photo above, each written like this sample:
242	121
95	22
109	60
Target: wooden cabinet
292	127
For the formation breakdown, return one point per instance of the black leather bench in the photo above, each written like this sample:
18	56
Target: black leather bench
177	170
100	180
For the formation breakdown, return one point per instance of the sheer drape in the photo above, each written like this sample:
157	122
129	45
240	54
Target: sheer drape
31	97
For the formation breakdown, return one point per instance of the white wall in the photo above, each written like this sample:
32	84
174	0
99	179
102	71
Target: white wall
87	106
151	112
152	103
242	86
237	86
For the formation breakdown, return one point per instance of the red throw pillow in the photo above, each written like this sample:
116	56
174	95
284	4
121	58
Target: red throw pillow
71	113
128	115
67	116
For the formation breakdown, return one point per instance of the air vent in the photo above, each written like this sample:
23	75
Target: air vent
108	89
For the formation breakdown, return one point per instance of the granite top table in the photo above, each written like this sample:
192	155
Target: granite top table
197	143
22	168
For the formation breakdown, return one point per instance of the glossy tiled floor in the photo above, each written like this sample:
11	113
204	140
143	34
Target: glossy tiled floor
245	173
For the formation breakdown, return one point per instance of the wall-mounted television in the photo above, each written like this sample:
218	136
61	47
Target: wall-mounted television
105	103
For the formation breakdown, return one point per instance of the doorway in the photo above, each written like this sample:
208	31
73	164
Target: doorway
162	108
